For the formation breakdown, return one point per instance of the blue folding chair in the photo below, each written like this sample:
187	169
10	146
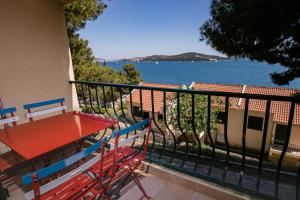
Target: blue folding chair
78	183
8	158
42	104
6	120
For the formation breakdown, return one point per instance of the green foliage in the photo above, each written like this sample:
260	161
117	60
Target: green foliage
79	12
82	55
86	67
132	74
185	108
100	74
264	30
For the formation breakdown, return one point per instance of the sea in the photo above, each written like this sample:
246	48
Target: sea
244	72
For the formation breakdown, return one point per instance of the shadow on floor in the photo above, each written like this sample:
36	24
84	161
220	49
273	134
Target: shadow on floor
266	185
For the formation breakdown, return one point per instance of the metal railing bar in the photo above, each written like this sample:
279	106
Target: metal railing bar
105	108
131	107
156	124
287	137
78	94
265	132
226	128
141	106
122	111
165	119
97	100
153	116
105	102
245	122
208	126
179	124
195	131
132	113
90	99
83	96
104	132
203	92
114	108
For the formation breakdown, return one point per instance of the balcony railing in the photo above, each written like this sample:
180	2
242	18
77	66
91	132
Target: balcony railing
232	165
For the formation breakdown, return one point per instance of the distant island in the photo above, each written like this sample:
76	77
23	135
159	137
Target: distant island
190	56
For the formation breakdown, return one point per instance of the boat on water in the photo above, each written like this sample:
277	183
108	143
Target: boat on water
156	62
213	60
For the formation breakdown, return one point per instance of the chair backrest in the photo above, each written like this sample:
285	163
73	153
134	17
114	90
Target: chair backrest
35	177
117	147
120	144
31	114
6	120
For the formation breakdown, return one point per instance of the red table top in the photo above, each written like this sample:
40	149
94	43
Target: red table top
36	138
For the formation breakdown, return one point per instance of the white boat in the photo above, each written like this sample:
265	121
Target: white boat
213	60
156	62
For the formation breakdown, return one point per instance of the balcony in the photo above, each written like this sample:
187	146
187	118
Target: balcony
238	159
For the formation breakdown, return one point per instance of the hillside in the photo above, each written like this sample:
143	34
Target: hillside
190	56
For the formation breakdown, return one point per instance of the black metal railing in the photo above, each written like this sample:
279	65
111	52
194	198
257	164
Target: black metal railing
235	167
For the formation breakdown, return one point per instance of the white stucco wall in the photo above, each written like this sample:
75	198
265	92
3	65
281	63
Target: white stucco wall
235	130
35	60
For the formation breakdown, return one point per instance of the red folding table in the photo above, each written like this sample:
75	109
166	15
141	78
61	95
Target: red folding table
40	137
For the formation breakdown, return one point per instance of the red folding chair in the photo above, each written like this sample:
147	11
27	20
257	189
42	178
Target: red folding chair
79	183
123	159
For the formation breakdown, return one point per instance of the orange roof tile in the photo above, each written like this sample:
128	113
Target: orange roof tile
279	109
146	96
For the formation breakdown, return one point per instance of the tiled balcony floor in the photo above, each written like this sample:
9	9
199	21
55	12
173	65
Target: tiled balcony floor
159	189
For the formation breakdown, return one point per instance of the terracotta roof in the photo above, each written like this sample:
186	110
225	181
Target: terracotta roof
279	109
146	96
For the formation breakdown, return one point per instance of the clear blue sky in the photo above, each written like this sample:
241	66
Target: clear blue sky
130	28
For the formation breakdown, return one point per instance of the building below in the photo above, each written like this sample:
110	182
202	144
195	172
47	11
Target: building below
277	125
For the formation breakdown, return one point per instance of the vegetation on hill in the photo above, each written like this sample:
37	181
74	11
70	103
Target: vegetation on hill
266	30
86	66
190	56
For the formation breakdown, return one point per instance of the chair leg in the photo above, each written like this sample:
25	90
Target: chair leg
126	179
138	183
106	195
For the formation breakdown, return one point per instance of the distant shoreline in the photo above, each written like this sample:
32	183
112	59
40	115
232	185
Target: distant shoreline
176	61
189	56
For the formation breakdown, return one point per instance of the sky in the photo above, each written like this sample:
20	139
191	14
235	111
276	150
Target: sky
134	28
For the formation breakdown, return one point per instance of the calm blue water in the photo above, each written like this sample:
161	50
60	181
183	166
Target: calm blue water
230	72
